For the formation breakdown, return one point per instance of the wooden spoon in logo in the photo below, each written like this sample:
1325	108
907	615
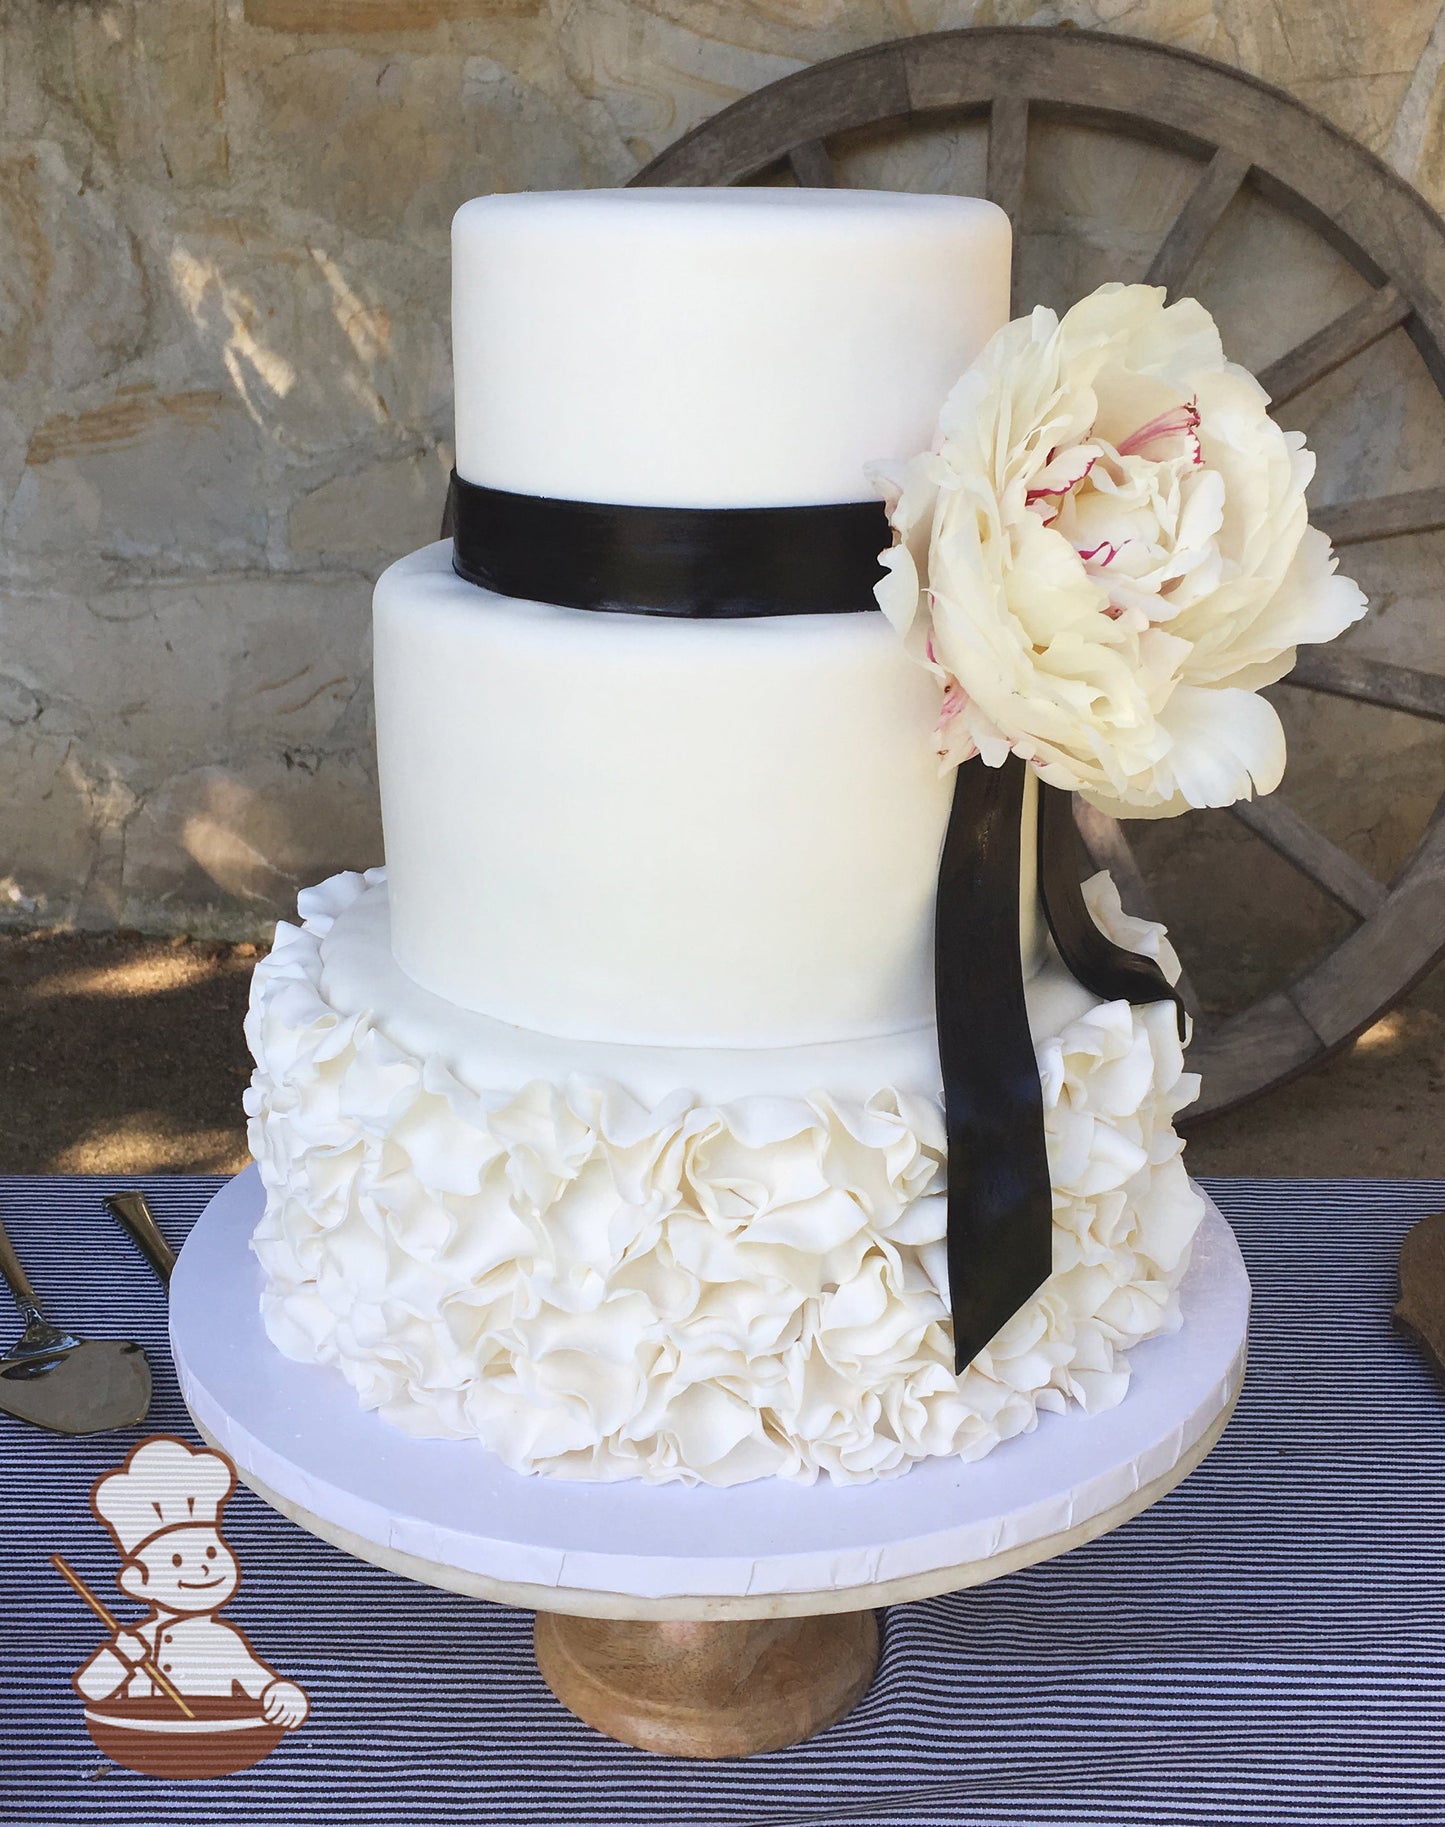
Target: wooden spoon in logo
68	1384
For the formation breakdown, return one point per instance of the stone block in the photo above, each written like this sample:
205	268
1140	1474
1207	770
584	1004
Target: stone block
373	515
73	293
177	674
56	815
411	137
375	18
225	848
323	347
147	81
168	480
657	72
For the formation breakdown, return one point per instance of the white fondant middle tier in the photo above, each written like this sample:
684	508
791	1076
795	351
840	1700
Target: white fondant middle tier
655	830
360	977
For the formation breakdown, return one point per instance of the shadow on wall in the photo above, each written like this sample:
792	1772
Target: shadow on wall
219	850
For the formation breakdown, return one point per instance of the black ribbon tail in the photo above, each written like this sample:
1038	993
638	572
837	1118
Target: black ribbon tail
1000	1194
1104	969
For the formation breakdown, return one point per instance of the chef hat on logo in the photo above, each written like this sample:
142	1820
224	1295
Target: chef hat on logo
164	1484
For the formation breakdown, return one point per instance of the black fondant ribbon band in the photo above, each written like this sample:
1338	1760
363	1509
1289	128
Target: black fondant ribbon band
741	562
689	562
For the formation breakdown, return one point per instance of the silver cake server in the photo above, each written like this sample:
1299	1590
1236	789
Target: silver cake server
68	1384
133	1211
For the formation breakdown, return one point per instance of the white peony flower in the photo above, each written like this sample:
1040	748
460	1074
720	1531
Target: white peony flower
1106	556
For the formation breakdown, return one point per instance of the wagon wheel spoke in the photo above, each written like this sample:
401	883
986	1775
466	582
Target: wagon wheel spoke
1008	151
1313	854
1350	523
1271	1040
1108	848
1196	222
1238	133
812	166
1008	141
1351	675
1348	335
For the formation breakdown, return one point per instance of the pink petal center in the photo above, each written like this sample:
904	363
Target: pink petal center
1058	491
1179	421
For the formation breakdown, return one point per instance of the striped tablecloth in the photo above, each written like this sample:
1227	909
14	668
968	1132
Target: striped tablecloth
1266	1645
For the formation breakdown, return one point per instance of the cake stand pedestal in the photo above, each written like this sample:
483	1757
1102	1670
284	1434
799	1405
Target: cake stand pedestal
697	1622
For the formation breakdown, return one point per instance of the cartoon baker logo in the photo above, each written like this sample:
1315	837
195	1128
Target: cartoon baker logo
179	1692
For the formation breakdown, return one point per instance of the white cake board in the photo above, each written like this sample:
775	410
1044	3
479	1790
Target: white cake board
448	1513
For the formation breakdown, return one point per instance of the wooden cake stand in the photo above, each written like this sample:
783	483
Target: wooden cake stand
692	1621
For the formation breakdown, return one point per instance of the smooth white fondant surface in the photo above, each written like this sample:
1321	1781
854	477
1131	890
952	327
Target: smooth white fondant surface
601	1285
360	976
713	348
461	1518
673	832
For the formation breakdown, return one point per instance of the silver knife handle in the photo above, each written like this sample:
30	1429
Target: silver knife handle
25	1296
136	1215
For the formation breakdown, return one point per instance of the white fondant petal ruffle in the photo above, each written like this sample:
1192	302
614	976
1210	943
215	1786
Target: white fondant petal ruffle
596	1288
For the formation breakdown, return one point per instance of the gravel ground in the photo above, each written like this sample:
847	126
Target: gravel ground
123	1055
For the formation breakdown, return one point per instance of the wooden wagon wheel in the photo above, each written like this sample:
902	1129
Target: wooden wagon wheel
1241	132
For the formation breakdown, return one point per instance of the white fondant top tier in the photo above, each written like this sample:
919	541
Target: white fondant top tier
713	348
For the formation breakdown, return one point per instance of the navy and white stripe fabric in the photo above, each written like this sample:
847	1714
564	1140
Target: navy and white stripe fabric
1267	1645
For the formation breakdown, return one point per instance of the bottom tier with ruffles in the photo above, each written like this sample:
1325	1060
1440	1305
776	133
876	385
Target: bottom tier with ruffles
676	1264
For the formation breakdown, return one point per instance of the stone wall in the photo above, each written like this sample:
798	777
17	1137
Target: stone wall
226	392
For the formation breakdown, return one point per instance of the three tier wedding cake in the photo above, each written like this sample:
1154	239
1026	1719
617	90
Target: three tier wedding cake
657	1111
